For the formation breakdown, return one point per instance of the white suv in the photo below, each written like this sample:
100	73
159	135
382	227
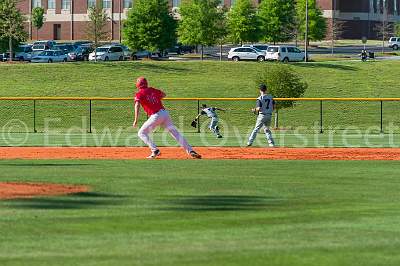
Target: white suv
246	53
108	53
284	53
394	43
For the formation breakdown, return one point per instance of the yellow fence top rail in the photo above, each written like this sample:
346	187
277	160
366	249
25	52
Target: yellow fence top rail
187	99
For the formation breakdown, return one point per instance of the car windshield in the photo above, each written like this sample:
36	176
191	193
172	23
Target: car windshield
258	50
101	50
272	49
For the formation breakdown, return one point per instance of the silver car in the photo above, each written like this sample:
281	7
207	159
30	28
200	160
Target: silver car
107	53
50	56
246	53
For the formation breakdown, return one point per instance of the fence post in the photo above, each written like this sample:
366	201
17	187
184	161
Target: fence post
277	118
34	116
90	116
198	119
381	116
320	118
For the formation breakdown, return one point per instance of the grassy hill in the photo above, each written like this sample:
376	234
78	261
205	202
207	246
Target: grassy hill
194	79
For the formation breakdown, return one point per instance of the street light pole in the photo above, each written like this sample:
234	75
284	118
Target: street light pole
306	35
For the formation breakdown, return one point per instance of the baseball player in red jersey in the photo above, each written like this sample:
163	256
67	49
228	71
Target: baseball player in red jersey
150	99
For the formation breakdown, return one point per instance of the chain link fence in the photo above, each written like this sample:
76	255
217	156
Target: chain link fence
63	115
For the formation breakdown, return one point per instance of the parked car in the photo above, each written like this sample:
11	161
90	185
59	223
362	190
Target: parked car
48	43
83	43
67	48
24	53
145	54
108	53
181	49
50	56
81	53
5	56
284	54
394	43
246	53
127	52
261	47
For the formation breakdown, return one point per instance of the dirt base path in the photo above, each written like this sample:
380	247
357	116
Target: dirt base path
10	190
133	153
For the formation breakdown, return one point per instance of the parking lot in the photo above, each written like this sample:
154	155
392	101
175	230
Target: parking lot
53	52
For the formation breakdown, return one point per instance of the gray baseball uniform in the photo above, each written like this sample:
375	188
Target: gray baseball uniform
266	105
210	112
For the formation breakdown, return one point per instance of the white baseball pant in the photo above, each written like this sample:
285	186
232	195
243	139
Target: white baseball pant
162	119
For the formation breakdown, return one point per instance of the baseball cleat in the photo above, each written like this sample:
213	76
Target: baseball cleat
249	144
195	155
219	137
154	154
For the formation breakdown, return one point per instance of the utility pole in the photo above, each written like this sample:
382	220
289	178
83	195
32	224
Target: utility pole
306	36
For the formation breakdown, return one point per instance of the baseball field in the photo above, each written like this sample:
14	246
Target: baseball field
79	198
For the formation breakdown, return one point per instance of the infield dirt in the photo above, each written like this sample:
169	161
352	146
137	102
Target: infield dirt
11	190
211	153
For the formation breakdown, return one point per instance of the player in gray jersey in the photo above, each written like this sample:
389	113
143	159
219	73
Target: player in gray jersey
264	108
211	112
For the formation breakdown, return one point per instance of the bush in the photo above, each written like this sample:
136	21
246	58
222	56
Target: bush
283	82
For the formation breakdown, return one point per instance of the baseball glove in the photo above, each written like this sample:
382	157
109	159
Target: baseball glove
194	123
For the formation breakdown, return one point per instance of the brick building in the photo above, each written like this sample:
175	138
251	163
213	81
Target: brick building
360	18
66	19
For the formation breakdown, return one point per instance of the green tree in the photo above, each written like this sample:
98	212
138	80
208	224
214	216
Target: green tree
200	23
277	20
150	26
11	24
283	82
316	22
397	29
38	19
95	27
242	22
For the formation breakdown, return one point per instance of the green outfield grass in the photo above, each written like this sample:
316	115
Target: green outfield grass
206	139
195	79
204	213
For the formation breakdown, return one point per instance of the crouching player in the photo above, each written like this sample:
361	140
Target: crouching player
150	99
211	112
264	108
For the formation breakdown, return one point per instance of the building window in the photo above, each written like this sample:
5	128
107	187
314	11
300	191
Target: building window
36	3
66	4
51	4
106	3
127	3
91	3
176	3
